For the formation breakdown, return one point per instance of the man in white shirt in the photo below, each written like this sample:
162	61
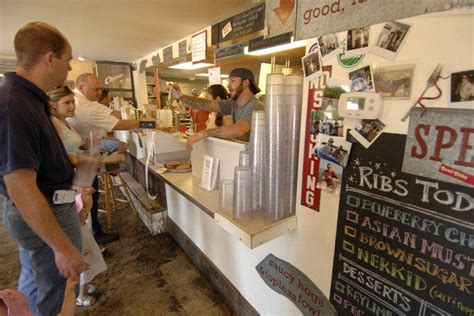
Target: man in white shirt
91	116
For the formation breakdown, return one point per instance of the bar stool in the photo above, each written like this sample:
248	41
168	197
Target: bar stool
109	183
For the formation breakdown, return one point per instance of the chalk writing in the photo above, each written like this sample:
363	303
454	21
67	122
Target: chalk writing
405	243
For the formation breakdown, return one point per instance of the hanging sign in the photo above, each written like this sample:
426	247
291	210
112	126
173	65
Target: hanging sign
230	51
168	55
214	75
320	17
404	243
262	43
287	280
182	46
115	75
440	145
244	23
155	60
7	65
199	46
310	192
280	16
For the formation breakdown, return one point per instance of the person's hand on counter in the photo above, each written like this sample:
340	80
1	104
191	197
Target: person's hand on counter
195	138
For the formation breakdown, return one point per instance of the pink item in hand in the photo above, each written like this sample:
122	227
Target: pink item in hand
79	203
16	302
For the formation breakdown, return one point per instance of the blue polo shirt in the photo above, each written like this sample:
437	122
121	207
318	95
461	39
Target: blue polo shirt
28	139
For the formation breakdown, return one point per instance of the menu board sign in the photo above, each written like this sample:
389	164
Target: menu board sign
168	55
244	23
183	51
262	43
230	51
115	75
7	65
405	243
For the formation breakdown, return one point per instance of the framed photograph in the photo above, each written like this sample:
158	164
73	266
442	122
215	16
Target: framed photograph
362	79
394	82
391	39
333	149
327	122
329	177
312	66
461	88
329	46
367	131
357	41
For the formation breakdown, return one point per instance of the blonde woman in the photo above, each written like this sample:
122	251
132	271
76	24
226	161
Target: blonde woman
62	106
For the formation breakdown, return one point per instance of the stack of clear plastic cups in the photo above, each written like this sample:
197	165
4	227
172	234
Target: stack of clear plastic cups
226	194
244	158
242	209
257	158
276	134
293	92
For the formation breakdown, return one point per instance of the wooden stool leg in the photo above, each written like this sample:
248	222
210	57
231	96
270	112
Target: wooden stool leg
127	193
107	202
112	189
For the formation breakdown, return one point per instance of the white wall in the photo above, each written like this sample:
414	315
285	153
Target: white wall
439	38
80	67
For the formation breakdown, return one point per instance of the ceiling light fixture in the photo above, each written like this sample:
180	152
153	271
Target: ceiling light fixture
274	49
190	66
207	75
81	58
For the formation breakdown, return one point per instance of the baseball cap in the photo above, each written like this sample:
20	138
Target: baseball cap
244	73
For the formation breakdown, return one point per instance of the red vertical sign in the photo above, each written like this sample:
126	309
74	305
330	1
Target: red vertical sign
310	194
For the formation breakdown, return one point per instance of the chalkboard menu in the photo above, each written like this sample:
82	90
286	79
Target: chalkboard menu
405	243
244	23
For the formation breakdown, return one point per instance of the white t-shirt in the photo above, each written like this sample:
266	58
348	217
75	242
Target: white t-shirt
91	116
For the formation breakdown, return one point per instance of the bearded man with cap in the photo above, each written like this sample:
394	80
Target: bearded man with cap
242	103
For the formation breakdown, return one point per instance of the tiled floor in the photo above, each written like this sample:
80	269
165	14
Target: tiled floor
147	275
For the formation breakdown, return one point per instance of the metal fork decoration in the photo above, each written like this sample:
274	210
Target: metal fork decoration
432	81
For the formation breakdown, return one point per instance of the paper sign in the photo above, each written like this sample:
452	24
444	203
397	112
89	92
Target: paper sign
199	45
287	280
214	75
227	29
440	145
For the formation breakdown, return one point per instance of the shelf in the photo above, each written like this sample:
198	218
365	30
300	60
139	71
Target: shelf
251	233
257	231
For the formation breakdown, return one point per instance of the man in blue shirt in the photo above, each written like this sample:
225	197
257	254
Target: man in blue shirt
34	166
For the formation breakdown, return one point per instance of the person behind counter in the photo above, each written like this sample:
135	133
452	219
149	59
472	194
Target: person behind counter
242	103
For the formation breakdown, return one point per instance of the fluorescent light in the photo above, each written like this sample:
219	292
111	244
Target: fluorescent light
81	58
275	49
207	75
190	66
